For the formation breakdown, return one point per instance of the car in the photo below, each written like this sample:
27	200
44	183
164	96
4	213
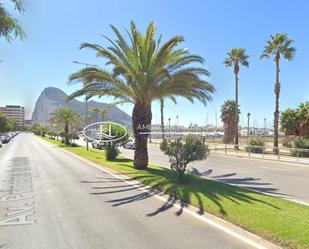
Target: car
0	143
97	144
5	139
129	145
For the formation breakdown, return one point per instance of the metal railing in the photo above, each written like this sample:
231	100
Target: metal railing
263	152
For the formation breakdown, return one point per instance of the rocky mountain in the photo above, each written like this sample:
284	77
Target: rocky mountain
52	98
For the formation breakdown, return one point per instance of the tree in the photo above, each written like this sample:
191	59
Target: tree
66	118
144	70
290	122
228	118
303	118
96	112
9	26
182	153
235	58
39	130
279	45
102	113
112	147
6	124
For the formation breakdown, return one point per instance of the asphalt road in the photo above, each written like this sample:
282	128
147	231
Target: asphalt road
286	180
52	200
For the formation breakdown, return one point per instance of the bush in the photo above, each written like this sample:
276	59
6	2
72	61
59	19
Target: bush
181	153
255	141
288	141
111	151
301	143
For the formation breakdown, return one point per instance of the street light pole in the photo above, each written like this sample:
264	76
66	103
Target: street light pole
177	123
86	98
248	128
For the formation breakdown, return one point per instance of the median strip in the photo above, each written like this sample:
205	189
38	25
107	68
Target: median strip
281	221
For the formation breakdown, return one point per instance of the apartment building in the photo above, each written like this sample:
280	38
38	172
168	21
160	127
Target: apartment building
15	112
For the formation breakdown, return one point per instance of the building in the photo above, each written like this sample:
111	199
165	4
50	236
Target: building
15	112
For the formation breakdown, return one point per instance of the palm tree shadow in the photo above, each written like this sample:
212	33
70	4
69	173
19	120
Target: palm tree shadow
195	191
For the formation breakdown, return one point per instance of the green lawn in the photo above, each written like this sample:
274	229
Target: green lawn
283	222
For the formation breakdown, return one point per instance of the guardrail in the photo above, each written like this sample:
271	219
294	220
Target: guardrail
263	152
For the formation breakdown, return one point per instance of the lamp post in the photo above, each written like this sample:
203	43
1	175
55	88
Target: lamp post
248	128
177	123
87	97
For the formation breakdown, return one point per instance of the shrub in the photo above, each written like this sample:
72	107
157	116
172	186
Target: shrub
288	141
301	143
256	145
181	153
111	151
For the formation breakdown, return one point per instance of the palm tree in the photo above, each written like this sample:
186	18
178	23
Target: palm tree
162	113
96	112
228	118
303	117
66	118
8	25
289	121
279	45
162	117
235	58
102	113
144	70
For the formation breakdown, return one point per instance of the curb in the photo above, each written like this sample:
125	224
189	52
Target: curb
239	233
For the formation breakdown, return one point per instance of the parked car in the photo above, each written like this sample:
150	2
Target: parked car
98	144
5	139
0	143
129	145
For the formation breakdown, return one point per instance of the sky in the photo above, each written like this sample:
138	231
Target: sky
55	29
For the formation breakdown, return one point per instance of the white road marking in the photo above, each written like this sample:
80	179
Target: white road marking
15	197
255	243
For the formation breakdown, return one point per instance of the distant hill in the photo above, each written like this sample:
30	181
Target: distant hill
53	98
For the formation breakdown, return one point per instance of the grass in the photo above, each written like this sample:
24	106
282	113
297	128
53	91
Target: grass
284	222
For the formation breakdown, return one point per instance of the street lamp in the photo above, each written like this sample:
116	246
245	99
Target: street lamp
177	123
87	96
248	131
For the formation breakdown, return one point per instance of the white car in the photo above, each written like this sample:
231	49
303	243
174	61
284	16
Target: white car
97	144
129	145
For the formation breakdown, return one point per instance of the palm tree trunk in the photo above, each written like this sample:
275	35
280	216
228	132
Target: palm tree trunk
236	70
276	113
162	118
66	131
141	118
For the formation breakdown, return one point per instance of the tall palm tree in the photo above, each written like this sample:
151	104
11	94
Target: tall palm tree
235	58
173	99
102	113
228	118
162	117
96	112
144	70
66	118
279	45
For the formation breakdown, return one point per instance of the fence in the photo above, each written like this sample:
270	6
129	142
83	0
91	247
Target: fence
263	152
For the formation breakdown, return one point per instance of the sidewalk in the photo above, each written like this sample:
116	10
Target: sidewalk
230	151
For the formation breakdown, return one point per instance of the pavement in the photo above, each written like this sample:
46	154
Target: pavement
286	180
52	200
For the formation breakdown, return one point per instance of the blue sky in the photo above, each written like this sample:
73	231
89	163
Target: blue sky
56	28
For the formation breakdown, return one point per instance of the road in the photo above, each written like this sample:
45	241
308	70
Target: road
52	200
286	180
